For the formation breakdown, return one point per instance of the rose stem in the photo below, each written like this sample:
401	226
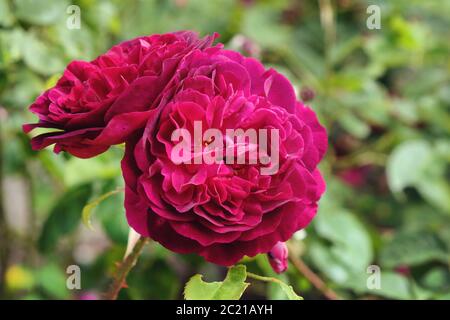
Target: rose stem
315	280
124	268
262	278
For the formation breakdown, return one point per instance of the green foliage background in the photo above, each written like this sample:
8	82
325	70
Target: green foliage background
384	96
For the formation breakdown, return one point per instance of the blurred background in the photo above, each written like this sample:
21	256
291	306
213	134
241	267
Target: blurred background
383	94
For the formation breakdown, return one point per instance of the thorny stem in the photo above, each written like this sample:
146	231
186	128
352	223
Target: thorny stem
124	268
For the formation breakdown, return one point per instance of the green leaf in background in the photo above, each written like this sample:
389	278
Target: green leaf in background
394	286
64	216
419	164
326	262
40	57
88	209
112	217
41	12
261	25
437	279
354	126
52	279
161	281
231	288
6	17
436	191
407	164
78	43
27	86
10	46
351	247
413	248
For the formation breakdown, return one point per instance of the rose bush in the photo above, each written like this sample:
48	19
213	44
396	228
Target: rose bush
98	104
220	211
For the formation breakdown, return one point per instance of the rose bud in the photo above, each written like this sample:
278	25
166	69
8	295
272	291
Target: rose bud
278	257
307	94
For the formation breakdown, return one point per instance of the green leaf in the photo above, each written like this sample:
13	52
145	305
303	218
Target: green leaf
413	248
289	291
437	278
351	245
260	24
407	163
231	288
394	286
423	166
52	280
354	126
22	92
324	259
113	219
88	209
77	44
445	296
6	18
64	217
41	12
160	273
40	57
10	46
436	191
197	289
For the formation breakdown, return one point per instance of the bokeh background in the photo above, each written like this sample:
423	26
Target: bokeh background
383	94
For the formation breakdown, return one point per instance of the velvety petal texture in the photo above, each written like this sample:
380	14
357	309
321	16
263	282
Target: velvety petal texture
101	103
222	211
141	91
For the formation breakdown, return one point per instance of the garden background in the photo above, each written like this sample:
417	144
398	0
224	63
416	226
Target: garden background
383	95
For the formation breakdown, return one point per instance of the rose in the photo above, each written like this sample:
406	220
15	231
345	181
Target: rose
98	104
278	257
224	211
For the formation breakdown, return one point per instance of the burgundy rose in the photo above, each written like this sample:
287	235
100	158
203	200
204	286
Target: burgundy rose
224	211
100	103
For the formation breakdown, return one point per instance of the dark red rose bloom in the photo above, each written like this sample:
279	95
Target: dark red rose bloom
100	103
142	91
224	211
